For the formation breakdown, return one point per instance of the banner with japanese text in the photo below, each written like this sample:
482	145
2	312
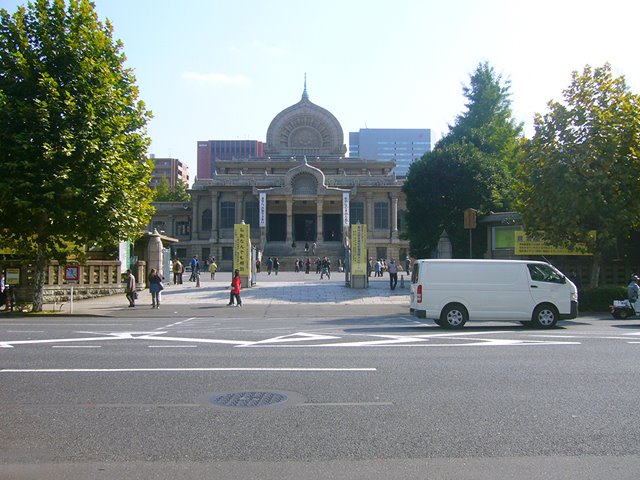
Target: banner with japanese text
359	249
525	245
242	248
345	209
263	210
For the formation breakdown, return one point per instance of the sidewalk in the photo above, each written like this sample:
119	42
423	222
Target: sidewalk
284	288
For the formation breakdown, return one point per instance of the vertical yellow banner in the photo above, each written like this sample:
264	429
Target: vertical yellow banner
359	249
242	248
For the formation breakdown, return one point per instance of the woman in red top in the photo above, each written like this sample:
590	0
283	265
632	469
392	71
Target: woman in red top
235	289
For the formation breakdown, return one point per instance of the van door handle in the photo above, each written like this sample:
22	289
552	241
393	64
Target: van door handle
534	286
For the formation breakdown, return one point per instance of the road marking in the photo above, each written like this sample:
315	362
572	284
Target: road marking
197	369
76	346
294	337
172	346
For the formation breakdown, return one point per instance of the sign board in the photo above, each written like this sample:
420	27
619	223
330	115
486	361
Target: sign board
470	217
263	210
525	245
242	248
345	209
359	249
72	274
12	276
124	254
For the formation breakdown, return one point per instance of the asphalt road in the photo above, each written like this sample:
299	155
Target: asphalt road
348	391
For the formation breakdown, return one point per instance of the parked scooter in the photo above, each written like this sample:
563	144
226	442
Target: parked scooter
622	309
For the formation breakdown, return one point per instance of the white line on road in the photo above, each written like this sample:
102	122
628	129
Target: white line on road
76	346
172	346
197	369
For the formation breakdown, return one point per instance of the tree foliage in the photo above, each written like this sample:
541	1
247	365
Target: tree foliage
72	134
163	192
581	170
472	166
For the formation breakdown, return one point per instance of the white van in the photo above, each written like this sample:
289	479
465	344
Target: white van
454	291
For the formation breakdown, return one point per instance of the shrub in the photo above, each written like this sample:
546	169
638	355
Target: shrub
599	299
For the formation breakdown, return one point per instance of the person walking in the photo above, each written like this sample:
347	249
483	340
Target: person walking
155	287
276	265
235	289
130	289
194	264
213	268
393	274
177	272
269	265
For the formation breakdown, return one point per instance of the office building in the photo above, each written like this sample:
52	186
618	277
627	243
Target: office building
403	145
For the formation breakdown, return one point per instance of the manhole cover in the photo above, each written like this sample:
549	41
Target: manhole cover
249	399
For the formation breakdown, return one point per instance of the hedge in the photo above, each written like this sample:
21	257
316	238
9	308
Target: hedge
599	299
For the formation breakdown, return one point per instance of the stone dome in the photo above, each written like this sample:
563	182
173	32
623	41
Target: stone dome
305	129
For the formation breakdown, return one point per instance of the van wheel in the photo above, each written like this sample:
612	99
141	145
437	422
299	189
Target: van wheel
545	316
453	316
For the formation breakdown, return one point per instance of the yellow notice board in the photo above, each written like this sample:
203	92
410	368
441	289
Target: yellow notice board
242	248
525	245
358	249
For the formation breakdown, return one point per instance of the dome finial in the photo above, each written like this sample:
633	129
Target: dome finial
305	95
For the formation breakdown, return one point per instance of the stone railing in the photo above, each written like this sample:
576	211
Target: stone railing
97	278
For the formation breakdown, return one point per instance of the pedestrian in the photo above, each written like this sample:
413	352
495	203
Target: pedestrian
194	263
369	266
258	263
269	265
393	274
235	289
306	247
326	268
177	272
213	268
296	266
307	266
407	265
276	265
155	287
377	267
2	288
130	289
313	248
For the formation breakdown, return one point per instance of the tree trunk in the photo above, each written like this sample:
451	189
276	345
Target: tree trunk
595	270
39	276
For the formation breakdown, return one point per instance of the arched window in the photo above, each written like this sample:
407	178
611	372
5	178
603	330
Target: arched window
207	220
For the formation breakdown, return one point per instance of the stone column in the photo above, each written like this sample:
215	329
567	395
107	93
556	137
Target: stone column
369	214
195	221
319	210
394	216
289	220
239	212
214	217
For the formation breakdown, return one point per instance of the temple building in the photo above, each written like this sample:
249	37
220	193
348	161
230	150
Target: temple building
303	190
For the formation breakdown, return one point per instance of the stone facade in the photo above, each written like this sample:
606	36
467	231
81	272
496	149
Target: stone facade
304	176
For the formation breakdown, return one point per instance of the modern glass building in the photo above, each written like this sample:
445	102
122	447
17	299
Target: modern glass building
404	145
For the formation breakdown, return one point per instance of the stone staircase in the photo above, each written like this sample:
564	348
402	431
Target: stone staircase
287	254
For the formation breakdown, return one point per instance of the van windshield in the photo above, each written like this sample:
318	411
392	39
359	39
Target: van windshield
545	273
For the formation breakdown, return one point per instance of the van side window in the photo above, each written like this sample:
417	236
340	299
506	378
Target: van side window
414	274
544	273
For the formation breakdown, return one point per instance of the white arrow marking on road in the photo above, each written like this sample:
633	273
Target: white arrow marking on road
294	337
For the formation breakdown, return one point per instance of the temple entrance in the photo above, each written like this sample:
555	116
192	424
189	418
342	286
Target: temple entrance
304	227
277	227
332	227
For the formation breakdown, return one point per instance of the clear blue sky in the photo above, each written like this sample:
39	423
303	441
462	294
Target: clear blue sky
214	69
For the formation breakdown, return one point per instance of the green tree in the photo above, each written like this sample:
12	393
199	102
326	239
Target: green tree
72	135
472	166
581	170
163	192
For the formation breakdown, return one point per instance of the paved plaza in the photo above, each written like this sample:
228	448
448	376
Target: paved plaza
282	289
